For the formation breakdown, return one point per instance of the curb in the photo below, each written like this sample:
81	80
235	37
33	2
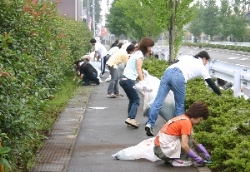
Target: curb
58	148
203	169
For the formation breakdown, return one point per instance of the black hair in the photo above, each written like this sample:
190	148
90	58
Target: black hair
92	40
202	54
221	82
134	42
120	45
76	64
130	48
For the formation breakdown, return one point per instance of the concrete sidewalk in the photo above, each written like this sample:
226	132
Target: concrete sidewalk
93	135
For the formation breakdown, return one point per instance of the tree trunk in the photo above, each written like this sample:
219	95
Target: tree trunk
172	33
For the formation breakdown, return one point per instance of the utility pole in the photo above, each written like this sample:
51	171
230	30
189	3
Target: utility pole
93	16
88	12
76	10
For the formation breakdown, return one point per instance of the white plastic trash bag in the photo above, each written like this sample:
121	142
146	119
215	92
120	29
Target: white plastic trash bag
108	78
144	149
167	111
144	88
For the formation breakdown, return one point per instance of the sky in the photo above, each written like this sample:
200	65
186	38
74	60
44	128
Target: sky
104	7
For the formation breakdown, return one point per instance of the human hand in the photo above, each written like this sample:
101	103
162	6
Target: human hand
195	157
203	150
143	86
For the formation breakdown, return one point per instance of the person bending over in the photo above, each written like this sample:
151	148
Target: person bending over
100	52
133	70
88	73
121	56
175	78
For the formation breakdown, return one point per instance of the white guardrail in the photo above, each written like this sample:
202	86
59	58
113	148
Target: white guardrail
238	75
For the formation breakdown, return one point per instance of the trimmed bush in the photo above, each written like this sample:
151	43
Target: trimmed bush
37	50
226	132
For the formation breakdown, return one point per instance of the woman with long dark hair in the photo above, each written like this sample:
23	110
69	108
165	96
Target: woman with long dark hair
133	70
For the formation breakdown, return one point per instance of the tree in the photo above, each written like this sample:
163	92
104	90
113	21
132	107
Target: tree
238	28
116	22
238	22
173	15
133	19
195	26
224	19
140	19
210	18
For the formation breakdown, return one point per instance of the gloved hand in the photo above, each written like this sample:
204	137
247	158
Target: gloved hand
203	150
195	157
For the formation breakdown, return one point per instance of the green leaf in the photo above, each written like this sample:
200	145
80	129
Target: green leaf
5	163
4	150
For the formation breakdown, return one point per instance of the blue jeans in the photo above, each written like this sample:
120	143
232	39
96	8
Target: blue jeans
113	84
174	80
132	94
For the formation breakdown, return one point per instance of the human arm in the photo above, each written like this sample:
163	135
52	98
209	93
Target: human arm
202	150
139	68
96	54
81	76
75	77
190	152
184	143
213	86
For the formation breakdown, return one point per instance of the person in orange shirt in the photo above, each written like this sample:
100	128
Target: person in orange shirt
172	143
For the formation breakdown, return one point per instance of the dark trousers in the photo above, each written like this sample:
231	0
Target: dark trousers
132	94
103	63
88	78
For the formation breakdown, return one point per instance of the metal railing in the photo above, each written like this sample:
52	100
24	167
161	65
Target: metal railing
238	75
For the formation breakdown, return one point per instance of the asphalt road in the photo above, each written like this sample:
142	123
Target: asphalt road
220	54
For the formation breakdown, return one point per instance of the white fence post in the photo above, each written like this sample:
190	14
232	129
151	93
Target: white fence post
237	85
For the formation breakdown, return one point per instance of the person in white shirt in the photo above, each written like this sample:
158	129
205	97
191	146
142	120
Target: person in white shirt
133	70
101	51
175	78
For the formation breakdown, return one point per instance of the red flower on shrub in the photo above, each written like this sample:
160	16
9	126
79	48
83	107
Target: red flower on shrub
34	2
26	8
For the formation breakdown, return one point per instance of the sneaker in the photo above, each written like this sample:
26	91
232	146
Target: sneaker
169	162
118	95
181	163
111	96
149	130
132	122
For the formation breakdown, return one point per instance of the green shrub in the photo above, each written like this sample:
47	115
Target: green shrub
37	49
226	132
